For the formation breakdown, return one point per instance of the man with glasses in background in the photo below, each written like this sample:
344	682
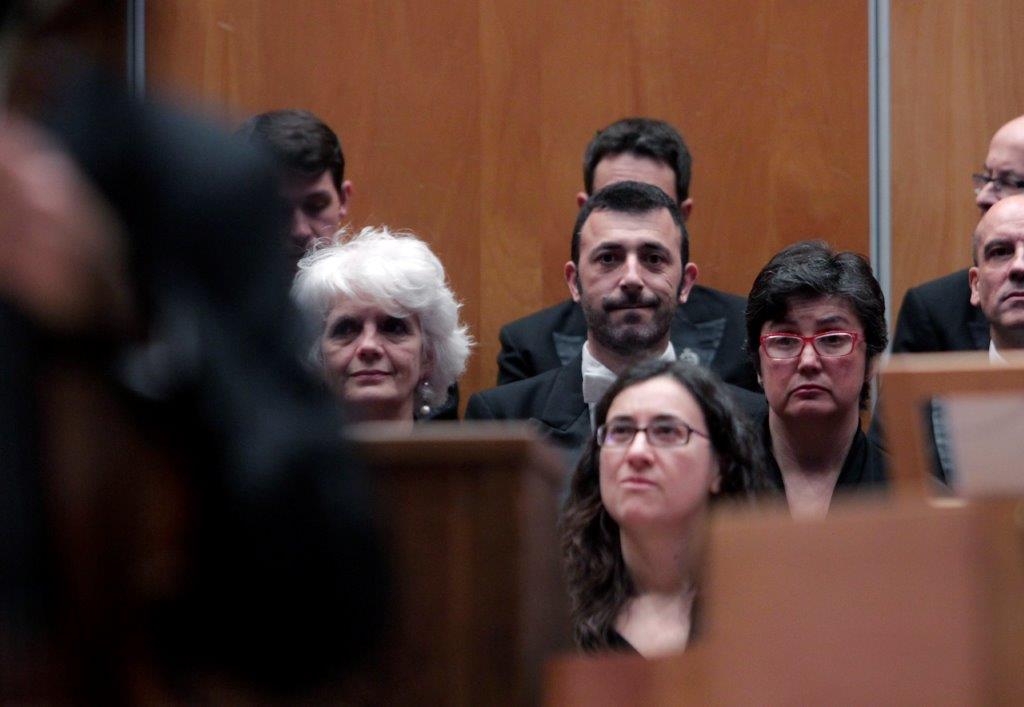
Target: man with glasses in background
938	315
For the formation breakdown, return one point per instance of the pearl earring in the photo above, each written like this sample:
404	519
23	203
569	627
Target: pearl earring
424	390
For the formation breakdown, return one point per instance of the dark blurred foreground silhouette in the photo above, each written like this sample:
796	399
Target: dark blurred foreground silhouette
181	520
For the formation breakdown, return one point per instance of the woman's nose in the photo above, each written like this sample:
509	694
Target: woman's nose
638	453
809	357
368	344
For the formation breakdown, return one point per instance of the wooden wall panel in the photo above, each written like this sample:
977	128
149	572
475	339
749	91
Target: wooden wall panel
771	97
466	121
956	78
398	81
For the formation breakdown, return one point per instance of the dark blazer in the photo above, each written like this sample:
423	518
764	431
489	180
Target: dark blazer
711	325
553	400
939	316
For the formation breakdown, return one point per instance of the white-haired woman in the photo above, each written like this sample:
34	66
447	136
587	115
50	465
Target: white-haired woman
391	341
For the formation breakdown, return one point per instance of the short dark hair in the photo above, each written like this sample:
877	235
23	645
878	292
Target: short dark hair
299	141
630	198
599	583
643	137
809	270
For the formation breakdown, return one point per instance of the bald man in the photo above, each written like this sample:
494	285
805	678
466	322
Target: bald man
941	315
997	278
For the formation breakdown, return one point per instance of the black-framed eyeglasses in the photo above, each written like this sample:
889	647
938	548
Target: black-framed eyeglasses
1002	185
828	344
664	431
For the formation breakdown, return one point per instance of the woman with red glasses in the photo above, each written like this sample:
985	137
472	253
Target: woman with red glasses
815	328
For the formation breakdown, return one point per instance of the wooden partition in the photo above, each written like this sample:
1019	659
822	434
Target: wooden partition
478	601
910	382
466	121
876	605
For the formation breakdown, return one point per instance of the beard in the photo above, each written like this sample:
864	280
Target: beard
630	336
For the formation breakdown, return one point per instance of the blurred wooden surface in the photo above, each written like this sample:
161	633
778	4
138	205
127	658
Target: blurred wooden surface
478	602
911	381
955	79
901	604
597	681
466	121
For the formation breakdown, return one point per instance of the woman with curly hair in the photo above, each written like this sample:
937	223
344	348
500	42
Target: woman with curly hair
390	340
669	441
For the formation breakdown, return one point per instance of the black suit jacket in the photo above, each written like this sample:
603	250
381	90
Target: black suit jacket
939	316
710	325
553	400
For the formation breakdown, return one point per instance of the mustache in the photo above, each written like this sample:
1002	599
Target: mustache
630	301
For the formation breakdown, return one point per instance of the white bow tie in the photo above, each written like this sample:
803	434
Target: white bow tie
595	383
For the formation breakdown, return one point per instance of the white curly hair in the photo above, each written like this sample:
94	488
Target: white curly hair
397	272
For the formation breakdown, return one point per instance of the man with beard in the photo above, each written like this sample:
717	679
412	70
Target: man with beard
629	270
707	329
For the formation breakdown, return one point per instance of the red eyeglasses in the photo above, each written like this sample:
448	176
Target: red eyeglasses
829	344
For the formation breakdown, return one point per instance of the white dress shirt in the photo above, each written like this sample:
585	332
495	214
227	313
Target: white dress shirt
598	378
994	357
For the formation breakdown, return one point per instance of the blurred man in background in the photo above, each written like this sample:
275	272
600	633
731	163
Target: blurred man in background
312	180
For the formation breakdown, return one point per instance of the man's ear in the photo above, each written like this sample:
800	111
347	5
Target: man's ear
972	278
686	207
581	199
572	280
344	195
690	273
